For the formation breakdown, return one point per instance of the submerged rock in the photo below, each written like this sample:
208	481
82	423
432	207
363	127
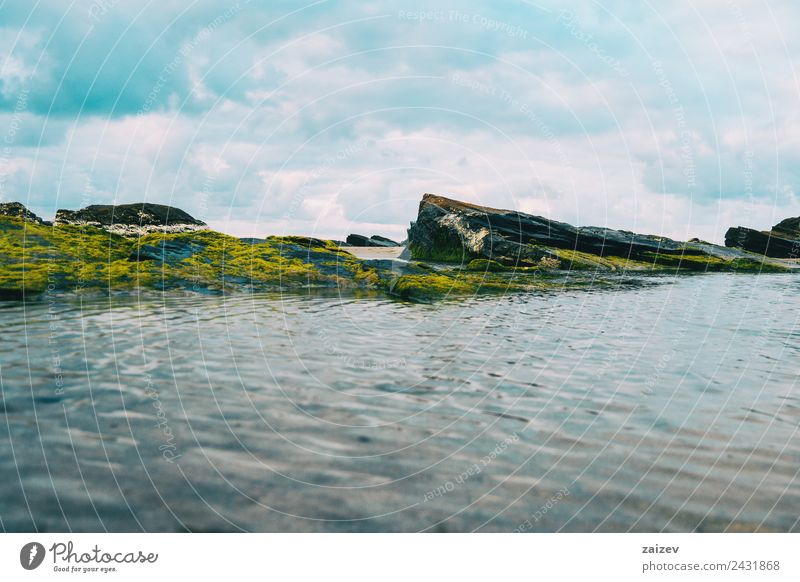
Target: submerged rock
131	219
359	240
17	210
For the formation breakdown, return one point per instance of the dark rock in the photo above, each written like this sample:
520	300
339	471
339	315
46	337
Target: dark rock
252	241
383	241
168	251
17	210
316	252
764	243
131	219
449	230
359	240
789	228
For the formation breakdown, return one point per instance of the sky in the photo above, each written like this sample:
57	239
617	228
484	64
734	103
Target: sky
325	118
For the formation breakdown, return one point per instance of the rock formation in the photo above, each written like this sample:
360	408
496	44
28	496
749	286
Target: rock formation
17	210
783	241
359	240
474	249
447	229
132	219
790	228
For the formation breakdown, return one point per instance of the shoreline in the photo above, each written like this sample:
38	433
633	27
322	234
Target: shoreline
454	249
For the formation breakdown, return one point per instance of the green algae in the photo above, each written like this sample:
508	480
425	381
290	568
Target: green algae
35	258
580	261
485	265
443	250
662	262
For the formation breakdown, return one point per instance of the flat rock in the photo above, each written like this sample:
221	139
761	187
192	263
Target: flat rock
359	240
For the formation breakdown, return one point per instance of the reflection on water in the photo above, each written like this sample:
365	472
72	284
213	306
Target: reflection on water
666	407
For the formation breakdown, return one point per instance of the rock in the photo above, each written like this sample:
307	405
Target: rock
167	251
789	228
359	240
396	267
486	265
383	241
36	260
449	230
17	210
132	219
765	243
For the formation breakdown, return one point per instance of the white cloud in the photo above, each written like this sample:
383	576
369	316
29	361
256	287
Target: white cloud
330	121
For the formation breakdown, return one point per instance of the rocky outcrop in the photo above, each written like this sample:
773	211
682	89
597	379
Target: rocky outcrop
17	210
359	240
507	251
132	219
789	228
782	242
450	230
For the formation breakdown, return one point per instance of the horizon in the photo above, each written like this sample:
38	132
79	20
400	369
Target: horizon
274	119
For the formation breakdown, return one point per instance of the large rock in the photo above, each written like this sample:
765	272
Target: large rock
770	243
17	210
450	230
132	219
359	240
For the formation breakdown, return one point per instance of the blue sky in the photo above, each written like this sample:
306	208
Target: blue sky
327	118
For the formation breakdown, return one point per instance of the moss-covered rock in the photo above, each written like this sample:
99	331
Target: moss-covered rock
36	257
656	262
486	265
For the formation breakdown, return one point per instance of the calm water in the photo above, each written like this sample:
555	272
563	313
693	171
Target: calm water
669	406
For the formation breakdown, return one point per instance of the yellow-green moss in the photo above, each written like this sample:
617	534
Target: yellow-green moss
698	262
577	260
580	261
457	282
485	265
278	261
431	286
35	257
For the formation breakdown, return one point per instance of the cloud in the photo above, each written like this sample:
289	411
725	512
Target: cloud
677	120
